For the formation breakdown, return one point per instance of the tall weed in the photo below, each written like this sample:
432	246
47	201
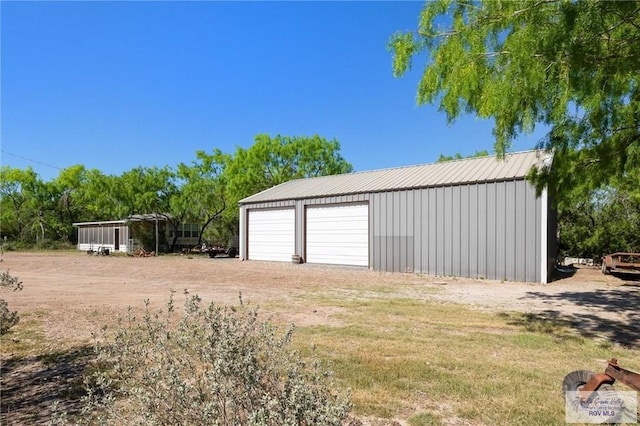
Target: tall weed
215	365
8	318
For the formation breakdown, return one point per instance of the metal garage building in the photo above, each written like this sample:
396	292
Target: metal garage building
475	217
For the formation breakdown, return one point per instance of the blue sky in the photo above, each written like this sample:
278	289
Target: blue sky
115	85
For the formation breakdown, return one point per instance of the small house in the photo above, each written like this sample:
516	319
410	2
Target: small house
125	234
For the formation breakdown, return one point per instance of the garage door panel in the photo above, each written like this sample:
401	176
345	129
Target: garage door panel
271	234
338	235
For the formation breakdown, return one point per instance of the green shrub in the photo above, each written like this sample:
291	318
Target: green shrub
49	244
8	319
15	245
214	366
46	244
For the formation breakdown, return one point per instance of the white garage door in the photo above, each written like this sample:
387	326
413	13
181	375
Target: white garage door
338	235
271	234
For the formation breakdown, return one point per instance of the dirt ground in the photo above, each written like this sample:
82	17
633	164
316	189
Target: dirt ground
73	293
74	286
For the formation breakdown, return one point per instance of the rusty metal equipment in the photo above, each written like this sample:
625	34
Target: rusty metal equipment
621	262
141	252
587	382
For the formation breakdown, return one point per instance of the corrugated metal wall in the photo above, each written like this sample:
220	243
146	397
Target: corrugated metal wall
482	230
485	230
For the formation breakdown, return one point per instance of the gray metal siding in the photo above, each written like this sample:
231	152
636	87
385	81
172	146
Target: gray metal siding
501	234
432	236
405	221
510	231
440	231
456	227
480	230
464	239
520	233
552	243
490	243
447	240
409	233
396	221
484	230
481	224
417	226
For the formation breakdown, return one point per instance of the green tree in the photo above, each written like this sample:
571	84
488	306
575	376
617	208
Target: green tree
205	192
201	198
569	65
148	190
593	223
271	161
100	196
144	190
458	156
28	206
16	200
141	190
70	189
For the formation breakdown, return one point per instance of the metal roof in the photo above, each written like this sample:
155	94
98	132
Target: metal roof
132	218
479	169
100	223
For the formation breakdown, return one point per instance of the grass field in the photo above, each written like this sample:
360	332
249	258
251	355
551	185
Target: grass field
405	360
437	364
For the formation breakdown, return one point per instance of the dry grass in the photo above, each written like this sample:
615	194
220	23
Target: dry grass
407	352
435	363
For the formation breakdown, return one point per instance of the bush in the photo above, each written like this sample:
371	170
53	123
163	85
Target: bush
14	245
48	244
8	319
215	366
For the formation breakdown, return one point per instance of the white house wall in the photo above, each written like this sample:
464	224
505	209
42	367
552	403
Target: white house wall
95	236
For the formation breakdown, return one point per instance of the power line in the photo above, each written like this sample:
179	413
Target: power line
30	159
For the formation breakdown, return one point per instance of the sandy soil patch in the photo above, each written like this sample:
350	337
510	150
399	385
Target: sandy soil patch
73	294
75	287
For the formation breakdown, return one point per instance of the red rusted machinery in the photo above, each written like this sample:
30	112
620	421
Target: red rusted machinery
587	382
621	262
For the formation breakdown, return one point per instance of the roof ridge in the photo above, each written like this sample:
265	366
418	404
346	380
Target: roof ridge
410	166
411	176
